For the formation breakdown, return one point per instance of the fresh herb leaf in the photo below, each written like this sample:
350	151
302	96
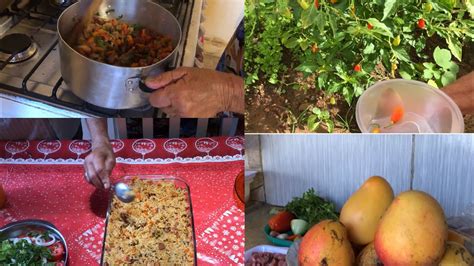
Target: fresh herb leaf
23	253
100	42
312	208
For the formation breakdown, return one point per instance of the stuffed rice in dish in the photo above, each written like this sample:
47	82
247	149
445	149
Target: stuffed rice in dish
154	229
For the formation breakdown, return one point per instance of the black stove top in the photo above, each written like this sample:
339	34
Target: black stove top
45	13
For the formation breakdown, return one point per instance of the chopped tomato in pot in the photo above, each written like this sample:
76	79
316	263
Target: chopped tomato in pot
117	43
57	251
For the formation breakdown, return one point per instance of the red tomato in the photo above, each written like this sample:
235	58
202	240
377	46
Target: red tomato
421	23
57	251
281	222
369	26
59	263
357	68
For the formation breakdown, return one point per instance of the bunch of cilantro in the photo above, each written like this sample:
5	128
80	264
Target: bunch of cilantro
23	253
312	208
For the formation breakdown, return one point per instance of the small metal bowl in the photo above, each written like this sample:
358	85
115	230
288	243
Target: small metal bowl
16	229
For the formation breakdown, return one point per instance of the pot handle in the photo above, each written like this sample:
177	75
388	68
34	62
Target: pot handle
137	82
143	87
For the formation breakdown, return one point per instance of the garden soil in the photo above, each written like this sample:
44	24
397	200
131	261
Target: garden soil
268	111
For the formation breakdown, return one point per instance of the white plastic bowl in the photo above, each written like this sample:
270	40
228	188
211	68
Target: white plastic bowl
427	109
265	248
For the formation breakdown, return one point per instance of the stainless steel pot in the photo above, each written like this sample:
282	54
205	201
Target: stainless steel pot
110	86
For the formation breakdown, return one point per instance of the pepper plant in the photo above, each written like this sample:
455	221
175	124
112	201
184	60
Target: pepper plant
349	44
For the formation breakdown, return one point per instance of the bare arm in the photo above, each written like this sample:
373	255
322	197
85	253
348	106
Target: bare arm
100	162
462	93
235	92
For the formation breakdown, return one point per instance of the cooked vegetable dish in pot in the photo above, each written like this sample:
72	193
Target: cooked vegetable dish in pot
115	42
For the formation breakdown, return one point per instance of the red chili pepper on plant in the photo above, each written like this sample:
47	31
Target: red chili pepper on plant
369	26
316	4
357	68
421	23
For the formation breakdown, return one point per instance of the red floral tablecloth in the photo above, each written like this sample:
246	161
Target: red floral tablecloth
44	180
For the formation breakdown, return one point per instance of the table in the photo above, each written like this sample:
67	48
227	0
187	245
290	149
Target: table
44	180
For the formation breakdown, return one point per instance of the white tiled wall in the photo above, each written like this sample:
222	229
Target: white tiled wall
336	165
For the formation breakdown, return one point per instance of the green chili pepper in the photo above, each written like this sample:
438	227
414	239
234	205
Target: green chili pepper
396	41
304	5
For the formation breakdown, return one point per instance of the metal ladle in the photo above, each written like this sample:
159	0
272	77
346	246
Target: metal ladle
123	192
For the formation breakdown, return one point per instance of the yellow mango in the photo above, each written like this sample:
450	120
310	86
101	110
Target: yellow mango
413	231
362	211
456	254
368	256
326	243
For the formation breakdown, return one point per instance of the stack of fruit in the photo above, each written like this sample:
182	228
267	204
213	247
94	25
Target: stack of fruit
409	229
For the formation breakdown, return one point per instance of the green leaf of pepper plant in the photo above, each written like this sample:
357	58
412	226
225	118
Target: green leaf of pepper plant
442	57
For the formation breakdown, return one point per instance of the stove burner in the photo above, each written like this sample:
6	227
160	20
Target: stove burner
17	47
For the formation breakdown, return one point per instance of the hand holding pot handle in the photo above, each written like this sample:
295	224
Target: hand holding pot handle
166	77
196	93
143	87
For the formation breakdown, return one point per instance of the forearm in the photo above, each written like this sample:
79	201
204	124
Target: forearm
98	130
462	93
234	98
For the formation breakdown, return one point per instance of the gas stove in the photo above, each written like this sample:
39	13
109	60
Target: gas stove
30	78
